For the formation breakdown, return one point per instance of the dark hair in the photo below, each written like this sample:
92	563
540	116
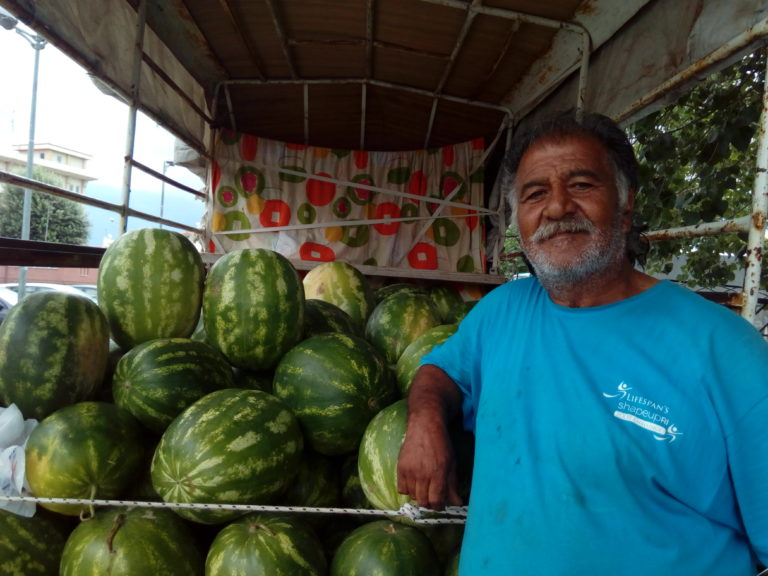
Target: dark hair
571	123
613	139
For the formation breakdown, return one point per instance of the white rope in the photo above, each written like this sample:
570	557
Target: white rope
455	514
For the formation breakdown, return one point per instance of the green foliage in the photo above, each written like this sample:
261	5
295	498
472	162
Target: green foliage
52	219
697	161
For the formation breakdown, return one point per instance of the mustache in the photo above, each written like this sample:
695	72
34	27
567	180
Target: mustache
549	229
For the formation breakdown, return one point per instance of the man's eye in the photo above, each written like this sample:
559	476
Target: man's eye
581	185
533	195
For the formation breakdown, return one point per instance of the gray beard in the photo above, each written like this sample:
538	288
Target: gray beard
605	251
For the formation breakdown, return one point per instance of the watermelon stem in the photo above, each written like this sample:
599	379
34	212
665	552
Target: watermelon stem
115	527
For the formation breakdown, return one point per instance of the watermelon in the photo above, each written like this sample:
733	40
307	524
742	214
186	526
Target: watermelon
253	307
316	483
157	379
150	285
385	548
452	565
127	542
53	352
334	383
410	359
321	316
233	446
33	545
387	290
446	300
380	449
345	286
261	544
261	380
398	320
86	450
461	311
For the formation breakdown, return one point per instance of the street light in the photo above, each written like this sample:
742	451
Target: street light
9	22
166	164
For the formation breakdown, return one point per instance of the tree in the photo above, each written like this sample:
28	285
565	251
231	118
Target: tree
53	219
697	161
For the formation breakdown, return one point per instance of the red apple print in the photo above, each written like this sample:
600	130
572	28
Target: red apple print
418	183
448	155
384	210
361	158
249	181
478	144
275	213
423	256
315	252
249	145
320	192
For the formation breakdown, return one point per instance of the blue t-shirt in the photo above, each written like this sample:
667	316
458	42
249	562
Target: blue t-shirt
624	439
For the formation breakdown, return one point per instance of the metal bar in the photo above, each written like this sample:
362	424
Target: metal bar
230	108
306	114
16	180
756	238
237	24
160	176
380	83
281	35
161	73
705	229
694	70
363	113
138	51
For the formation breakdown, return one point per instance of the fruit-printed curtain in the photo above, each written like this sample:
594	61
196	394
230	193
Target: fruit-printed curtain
372	208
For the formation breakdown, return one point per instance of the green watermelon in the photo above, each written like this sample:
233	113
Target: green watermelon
398	320
446	300
345	286
30	546
387	549
380	449
387	290
233	446
53	352
255	380
128	542
261	544
253	307
157	379
452	566
316	484
321	316
334	383
410	359
86	450
150	285
461	311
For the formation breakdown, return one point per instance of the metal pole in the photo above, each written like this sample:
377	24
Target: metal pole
37	44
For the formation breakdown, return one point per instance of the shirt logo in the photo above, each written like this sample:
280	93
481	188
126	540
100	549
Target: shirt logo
643	412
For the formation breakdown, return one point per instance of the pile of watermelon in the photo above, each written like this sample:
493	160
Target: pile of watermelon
208	390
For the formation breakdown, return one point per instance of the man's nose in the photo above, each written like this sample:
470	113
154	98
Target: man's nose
559	202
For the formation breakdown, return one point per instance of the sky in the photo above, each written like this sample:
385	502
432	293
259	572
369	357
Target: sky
73	113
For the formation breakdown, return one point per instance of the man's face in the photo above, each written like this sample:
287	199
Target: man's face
570	223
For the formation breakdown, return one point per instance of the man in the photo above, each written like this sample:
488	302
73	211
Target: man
621	423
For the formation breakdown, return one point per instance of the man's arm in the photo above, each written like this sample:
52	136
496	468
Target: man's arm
426	468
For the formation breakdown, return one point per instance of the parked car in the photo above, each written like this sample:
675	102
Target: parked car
8	299
32	287
89	289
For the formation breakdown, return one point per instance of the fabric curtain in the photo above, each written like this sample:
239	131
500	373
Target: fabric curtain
419	209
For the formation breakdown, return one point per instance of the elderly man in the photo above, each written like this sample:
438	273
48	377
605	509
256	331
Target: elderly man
621	423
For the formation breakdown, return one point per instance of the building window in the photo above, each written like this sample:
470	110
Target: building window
59	158
42	155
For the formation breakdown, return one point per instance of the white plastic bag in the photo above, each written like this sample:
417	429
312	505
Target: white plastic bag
14	432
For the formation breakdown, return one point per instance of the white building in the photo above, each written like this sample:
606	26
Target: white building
69	164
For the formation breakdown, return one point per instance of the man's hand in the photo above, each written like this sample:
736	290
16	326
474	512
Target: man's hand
426	468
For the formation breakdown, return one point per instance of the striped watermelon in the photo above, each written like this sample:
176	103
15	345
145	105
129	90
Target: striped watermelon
343	285
86	450
53	352
387	548
316	483
321	316
150	285
261	544
334	383
232	446
398	320
410	359
387	290
253	307
380	449
127	542
452	566
31	546
159	378
446	300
